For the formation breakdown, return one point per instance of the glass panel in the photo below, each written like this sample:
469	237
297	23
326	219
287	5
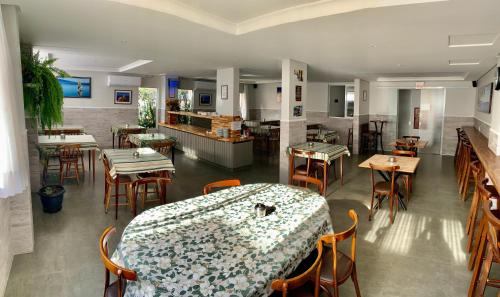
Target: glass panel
349	99
431	119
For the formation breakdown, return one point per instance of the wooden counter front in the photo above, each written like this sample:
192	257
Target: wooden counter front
490	161
200	131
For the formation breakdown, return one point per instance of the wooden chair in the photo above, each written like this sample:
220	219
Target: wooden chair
109	184
163	147
274	141
303	169
492	251
296	286
123	139
156	182
117	288
221	184
407	177
349	138
466	177
69	154
337	266
383	189
459	132
304	180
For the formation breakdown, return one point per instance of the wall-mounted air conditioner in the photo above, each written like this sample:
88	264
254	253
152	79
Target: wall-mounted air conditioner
123	81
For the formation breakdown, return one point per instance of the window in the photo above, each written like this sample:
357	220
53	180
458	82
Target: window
341	101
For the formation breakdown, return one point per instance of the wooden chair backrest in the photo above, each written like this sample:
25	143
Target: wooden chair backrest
163	147
107	175
221	184
404	153
493	228
111	267
69	151
391	169
309	180
313	272
308	154
484	194
334	238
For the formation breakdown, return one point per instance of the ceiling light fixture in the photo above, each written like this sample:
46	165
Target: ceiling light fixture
133	65
463	62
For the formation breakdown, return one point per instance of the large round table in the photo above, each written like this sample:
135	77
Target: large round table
215	245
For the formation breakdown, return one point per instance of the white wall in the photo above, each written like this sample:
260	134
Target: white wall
102	96
361	107
383	101
317	97
460	102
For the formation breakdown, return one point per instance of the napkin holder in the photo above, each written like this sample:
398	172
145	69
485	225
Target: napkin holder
261	210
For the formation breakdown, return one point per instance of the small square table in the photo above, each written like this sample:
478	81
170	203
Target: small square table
122	161
123	129
322	151
406	165
146	139
87	143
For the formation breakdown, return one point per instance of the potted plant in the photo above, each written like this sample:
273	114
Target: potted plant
52	198
43	95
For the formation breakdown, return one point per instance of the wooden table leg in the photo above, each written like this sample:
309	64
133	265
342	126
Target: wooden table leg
117	189
173	155
163	193
93	165
113	139
325	177
90	154
342	170
290	169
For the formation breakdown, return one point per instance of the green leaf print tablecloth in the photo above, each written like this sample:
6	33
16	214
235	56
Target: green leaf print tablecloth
214	245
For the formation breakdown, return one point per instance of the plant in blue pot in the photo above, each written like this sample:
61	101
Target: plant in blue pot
52	198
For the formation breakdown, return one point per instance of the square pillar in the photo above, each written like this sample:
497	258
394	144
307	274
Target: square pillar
228	92
293	114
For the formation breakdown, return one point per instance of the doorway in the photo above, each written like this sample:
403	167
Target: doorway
147	107
420	113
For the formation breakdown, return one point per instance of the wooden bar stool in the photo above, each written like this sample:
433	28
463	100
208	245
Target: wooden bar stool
458	164
466	175
478	172
486	193
459	131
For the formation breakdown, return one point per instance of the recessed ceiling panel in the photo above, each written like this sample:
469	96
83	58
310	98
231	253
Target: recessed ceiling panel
472	40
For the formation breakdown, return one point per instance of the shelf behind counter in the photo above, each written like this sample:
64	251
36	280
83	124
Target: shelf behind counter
195	142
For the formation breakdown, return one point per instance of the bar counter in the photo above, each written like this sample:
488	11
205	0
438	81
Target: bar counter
490	161
195	142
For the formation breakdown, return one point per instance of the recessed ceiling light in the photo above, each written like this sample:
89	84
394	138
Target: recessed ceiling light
472	40
463	62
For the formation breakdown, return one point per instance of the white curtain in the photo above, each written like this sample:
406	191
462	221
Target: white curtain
14	168
244	103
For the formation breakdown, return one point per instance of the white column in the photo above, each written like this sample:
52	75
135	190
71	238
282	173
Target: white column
228	92
494	133
293	116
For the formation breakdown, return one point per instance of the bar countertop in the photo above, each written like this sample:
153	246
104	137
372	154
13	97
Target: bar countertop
203	132
490	161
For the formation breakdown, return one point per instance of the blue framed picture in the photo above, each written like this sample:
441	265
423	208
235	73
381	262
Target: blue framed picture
123	96
76	87
205	99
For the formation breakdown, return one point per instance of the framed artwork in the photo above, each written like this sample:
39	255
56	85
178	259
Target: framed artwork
485	94
123	97
76	87
297	111
298	93
173	85
299	74
223	92
416	118
205	99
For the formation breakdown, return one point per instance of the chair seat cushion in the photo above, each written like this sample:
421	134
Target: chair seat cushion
112	290
385	187
344	267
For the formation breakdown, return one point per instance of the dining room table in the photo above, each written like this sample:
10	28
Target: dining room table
49	144
217	245
325	152
135	161
124	129
147	139
407	165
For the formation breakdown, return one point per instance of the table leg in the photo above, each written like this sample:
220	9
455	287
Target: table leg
113	139
290	169
117	189
342	170
163	193
325	178
173	155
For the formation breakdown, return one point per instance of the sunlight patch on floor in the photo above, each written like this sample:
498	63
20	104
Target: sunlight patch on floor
453	234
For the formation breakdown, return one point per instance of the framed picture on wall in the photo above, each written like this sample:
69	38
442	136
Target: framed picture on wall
76	87
416	118
298	93
223	92
485	94
297	111
205	99
299	74
123	96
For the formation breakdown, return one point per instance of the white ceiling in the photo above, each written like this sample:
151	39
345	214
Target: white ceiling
404	40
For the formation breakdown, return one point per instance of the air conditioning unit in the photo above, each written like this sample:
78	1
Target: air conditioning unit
123	81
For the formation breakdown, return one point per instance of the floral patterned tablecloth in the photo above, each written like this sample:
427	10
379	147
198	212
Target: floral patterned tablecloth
214	245
146	139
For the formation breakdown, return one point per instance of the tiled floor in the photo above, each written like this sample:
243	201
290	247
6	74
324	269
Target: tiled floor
422	254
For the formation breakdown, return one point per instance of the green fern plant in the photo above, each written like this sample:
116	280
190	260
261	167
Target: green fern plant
43	95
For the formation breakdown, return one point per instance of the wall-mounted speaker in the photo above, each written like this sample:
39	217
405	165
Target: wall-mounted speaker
497	79
474	83
255	86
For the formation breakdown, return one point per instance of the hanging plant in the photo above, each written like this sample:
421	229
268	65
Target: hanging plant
43	95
